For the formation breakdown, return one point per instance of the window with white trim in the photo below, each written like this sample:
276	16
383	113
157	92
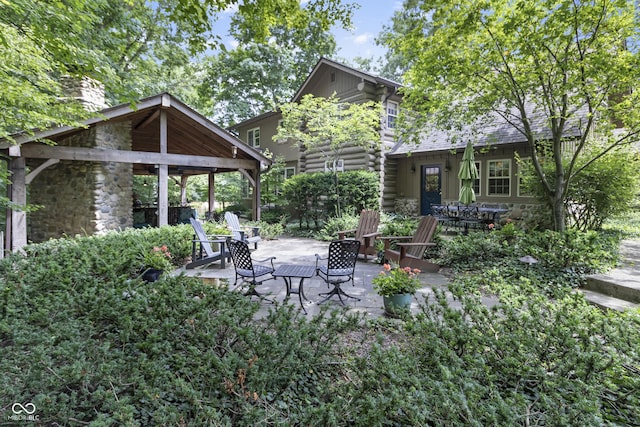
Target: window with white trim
289	172
253	137
334	165
392	114
499	177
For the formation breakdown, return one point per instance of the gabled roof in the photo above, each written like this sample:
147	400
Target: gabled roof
188	132
490	130
323	62
345	68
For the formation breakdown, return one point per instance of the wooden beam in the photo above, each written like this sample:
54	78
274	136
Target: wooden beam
42	151
34	173
148	120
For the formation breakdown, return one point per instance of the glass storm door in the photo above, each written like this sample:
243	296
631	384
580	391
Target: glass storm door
431	188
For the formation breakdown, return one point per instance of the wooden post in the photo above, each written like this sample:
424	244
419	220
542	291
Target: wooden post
212	193
183	190
18	197
163	175
256	192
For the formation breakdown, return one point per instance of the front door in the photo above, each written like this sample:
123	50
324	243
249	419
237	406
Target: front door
431	188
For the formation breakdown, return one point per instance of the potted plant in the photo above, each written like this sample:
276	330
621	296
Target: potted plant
396	285
156	261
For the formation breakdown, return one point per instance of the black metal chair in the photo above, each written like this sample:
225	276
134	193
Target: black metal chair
469	217
340	267
252	274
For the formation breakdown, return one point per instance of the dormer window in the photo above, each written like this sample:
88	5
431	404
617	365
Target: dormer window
253	137
392	114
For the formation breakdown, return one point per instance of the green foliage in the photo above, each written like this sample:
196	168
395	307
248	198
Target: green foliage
531	361
86	341
564	258
520	62
394	280
329	125
314	197
603	188
335	224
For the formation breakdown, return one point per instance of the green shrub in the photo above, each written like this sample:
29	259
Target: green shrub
86	341
315	197
335	224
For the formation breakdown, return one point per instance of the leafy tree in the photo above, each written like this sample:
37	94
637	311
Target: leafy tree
135	48
330	126
570	64
256	77
605	189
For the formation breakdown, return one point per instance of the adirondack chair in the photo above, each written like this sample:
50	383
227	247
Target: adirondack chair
366	232
410	254
202	252
244	234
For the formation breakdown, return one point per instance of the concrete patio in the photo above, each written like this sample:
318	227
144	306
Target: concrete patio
301	251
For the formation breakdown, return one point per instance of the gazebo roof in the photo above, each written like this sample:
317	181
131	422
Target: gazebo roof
191	137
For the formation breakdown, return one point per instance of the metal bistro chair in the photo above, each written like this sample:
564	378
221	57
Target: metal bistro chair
340	267
251	274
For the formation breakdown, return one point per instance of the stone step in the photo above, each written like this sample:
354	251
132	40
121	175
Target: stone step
608	302
619	284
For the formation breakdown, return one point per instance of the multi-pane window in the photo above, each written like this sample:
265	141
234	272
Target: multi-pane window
334	165
289	172
392	114
499	177
253	137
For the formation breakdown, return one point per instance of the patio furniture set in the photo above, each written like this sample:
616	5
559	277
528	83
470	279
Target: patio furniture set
336	268
465	217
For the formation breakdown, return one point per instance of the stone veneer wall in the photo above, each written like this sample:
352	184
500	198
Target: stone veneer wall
84	197
407	207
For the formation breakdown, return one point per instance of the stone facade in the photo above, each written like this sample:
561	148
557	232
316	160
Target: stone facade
84	197
407	207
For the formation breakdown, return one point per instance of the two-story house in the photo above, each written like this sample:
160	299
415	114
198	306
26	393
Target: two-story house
412	177
349	85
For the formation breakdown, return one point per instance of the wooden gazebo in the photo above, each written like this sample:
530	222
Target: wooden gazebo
158	135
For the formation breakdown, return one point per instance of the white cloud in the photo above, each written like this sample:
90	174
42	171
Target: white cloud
363	38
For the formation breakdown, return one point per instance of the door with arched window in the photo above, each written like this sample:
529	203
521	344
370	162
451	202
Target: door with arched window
431	188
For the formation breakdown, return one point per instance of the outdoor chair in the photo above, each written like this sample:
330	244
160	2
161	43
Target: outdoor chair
411	248
202	252
366	232
444	215
250	272
245	234
469	217
339	267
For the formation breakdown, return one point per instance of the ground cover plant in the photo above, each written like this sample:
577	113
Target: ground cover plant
88	342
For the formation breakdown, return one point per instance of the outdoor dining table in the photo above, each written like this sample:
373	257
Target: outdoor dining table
485	215
291	271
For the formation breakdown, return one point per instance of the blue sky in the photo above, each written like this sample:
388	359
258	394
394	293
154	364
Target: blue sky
368	21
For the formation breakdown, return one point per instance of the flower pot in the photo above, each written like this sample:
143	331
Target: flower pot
397	303
151	275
